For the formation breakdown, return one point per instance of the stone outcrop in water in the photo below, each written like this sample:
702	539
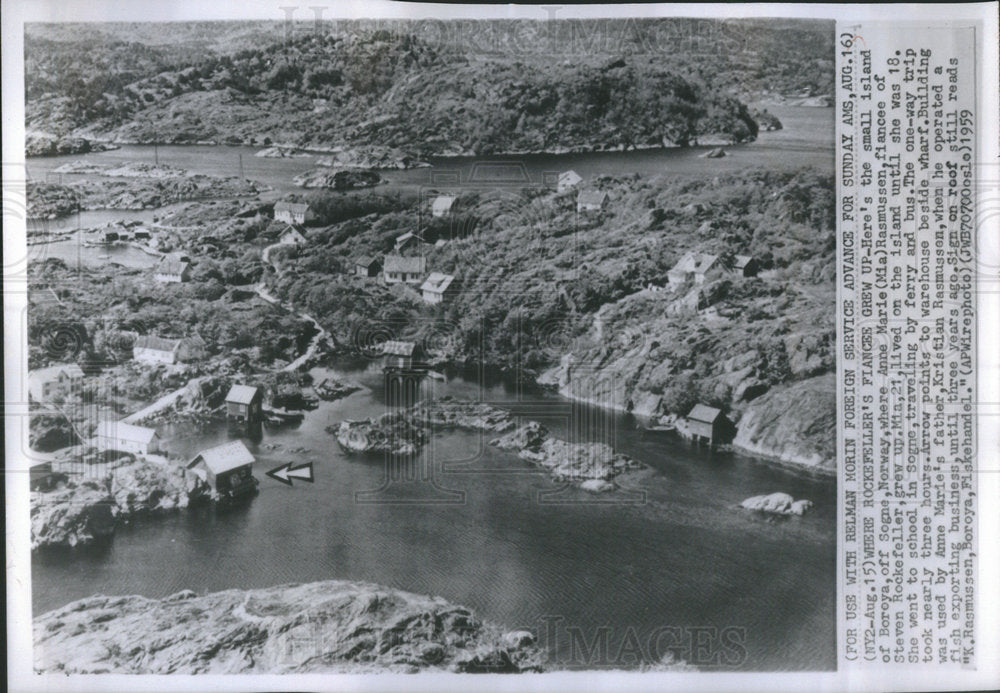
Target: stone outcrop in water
71	516
77	514
565	460
777	504
448	411
46	144
390	433
333	626
338	179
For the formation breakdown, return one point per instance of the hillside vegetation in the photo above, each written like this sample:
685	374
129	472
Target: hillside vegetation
356	85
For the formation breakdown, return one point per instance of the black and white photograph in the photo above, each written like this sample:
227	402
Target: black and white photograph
431	343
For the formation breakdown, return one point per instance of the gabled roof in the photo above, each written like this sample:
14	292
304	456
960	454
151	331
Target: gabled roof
591	197
366	261
405	237
291	230
242	394
704	413
171	266
437	282
70	369
444	202
571	177
123	431
156	343
741	261
291	206
400	263
695	262
223	458
397	348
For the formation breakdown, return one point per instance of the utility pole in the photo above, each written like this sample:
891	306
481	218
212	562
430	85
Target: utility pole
241	167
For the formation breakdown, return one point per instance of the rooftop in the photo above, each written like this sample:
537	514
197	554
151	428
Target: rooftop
400	263
291	206
242	394
437	282
398	348
171	266
223	458
156	343
704	413
70	369
123	431
592	197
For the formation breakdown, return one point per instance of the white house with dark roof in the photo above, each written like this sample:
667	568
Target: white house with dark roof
152	349
567	180
122	437
169	270
293	212
367	266
437	287
403	269
442	205
590	200
227	468
55	382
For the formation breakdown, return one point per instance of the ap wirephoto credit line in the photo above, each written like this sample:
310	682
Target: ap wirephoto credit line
381	345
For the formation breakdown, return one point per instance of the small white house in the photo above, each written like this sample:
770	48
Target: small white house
590	200
402	269
442	205
692	266
169	271
151	349
293	212
291	236
437	287
123	437
55	382
567	180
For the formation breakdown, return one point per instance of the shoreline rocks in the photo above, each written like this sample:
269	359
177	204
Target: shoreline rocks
390	433
79	514
330	627
777	504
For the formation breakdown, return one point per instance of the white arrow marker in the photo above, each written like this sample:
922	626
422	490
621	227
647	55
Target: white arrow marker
286	472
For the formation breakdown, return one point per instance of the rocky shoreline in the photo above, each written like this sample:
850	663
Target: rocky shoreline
87	512
320	627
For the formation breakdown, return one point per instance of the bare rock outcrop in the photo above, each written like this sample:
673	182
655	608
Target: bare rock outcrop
333	626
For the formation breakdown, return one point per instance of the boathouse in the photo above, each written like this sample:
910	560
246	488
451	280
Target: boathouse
172	271
367	266
401	269
244	403
442	205
567	180
590	200
707	424
227	468
55	382
398	355
293	212
119	436
438	287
